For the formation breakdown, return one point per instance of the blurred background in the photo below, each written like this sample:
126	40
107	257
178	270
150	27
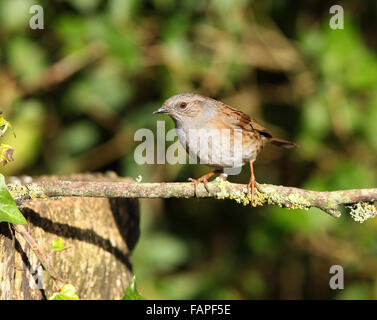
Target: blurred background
76	92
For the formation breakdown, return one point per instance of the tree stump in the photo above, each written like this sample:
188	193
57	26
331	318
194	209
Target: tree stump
99	232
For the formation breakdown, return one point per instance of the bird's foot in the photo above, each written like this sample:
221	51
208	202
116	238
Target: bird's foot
203	180
252	185
251	188
196	183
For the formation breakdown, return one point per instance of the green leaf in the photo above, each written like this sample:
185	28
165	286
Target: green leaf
58	245
67	292
29	119
8	208
6	154
131	292
4	123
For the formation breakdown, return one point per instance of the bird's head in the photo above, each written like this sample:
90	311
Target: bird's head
186	107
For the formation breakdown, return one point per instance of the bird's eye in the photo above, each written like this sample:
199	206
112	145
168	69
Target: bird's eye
183	105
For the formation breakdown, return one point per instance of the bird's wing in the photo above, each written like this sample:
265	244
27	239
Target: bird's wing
241	120
262	130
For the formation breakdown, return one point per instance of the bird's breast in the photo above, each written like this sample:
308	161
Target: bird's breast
222	148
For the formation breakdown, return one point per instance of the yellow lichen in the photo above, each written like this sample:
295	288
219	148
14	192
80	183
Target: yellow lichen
31	190
35	191
223	194
268	196
297	201
17	190
362	211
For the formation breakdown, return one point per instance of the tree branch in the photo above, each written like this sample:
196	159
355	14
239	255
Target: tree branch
358	200
42	257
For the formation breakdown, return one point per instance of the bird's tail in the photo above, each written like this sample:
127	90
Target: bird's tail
283	143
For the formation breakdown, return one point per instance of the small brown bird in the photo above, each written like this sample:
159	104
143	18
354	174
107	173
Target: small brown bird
199	116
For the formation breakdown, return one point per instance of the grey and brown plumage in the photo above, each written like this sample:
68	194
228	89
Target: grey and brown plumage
194	113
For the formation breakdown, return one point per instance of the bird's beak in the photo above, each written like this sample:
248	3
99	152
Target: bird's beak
161	110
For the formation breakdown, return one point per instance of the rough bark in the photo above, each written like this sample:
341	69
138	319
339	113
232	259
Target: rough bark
287	197
100	233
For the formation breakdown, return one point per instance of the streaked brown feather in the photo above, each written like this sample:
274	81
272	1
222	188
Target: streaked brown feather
238	119
243	121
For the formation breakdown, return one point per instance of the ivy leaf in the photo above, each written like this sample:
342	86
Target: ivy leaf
8	208
6	154
58	245
67	292
4	123
131	292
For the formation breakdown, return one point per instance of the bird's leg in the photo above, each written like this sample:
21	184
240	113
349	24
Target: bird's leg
204	180
252	183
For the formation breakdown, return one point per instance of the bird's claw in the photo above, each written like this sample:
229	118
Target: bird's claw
251	188
196	183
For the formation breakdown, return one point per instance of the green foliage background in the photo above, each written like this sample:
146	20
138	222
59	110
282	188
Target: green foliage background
77	91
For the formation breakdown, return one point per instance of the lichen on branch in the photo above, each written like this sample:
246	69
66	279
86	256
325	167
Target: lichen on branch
359	201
